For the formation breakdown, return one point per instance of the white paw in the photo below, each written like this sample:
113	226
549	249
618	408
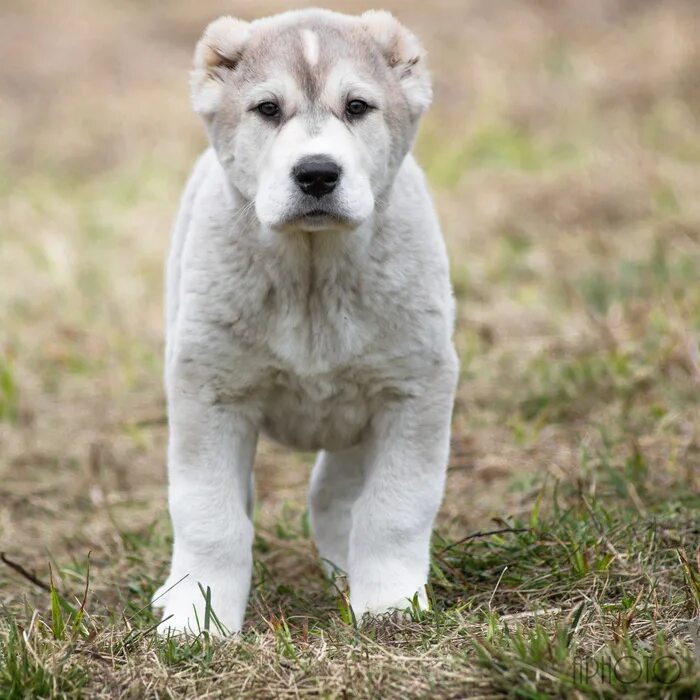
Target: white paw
380	599
191	607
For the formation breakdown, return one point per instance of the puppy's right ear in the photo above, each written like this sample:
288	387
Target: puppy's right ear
218	51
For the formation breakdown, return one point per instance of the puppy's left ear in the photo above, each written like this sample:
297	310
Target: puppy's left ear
405	56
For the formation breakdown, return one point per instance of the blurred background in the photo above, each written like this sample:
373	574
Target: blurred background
564	152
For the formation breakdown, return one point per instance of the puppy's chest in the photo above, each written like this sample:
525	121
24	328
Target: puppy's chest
327	364
310	323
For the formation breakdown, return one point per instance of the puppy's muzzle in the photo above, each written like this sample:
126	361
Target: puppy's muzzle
316	176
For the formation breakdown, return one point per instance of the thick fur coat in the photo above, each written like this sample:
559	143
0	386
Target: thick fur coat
322	320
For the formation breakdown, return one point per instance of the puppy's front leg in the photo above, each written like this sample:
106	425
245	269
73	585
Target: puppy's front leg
210	459
392	519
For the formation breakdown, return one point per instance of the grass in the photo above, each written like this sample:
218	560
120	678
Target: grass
536	608
565	558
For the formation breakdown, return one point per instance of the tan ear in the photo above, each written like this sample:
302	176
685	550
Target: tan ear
405	56
219	50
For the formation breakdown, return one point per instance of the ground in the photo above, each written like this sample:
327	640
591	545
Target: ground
564	153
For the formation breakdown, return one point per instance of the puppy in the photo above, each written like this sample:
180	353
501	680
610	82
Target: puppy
308	298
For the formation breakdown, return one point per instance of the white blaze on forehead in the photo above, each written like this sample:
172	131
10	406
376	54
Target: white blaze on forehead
310	40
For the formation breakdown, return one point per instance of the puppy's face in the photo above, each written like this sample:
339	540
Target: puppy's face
311	112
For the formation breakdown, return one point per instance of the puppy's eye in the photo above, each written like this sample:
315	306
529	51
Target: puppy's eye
269	110
356	108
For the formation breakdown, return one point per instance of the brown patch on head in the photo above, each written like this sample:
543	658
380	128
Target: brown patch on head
276	49
376	44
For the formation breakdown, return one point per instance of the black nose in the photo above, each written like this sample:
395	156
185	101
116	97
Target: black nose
316	175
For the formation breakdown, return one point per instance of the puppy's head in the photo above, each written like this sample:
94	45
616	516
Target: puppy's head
311	112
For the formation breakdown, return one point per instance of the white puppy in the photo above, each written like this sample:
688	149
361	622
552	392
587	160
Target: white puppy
308	297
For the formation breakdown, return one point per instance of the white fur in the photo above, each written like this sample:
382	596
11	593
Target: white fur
310	40
336	340
275	192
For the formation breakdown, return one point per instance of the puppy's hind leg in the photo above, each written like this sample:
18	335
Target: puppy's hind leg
336	482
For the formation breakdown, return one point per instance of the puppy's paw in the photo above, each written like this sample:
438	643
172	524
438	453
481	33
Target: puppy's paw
381	601
190	607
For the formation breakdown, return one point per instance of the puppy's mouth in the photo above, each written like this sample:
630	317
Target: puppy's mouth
317	220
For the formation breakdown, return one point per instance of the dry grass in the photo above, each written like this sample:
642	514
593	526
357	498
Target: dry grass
564	150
